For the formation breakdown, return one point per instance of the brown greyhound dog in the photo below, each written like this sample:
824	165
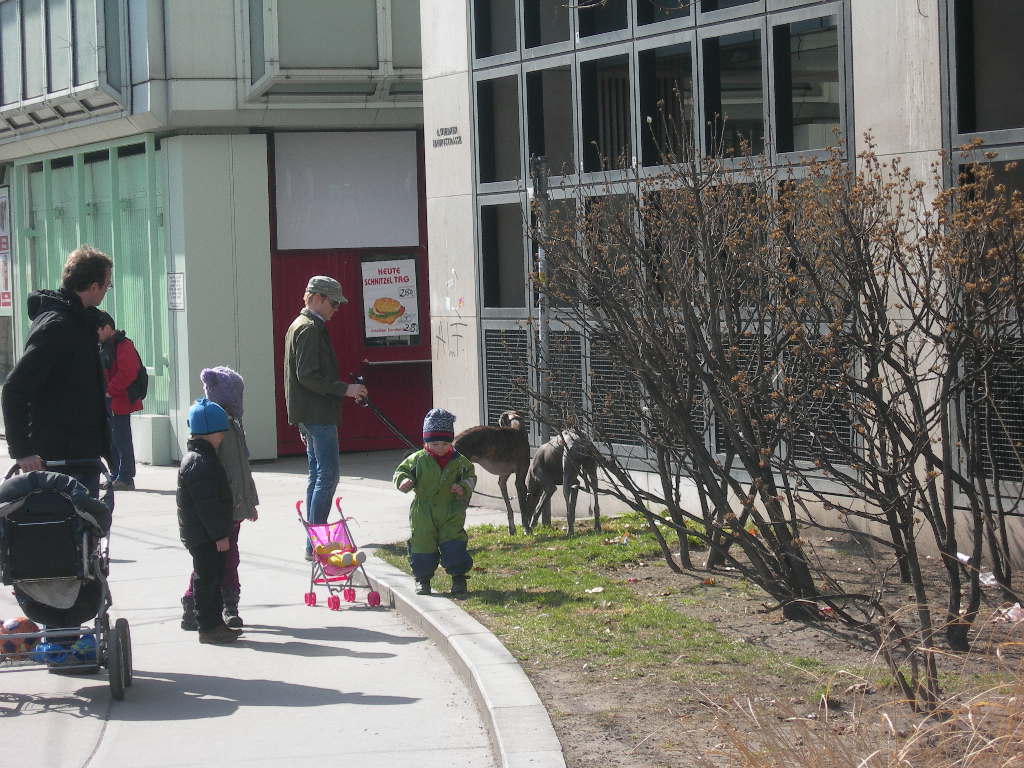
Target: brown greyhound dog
561	461
502	450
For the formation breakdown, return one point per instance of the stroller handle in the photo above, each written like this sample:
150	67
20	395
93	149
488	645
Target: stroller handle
298	506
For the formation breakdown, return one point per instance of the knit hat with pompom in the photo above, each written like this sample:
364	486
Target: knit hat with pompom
224	387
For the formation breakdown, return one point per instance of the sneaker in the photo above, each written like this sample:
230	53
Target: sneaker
459	586
422	586
219	635
123	485
233	621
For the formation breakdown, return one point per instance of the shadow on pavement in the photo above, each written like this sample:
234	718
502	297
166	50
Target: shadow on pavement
309	650
331	634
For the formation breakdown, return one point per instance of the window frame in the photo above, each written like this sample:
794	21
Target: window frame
517	198
688	36
497	73
534	66
585	57
798	157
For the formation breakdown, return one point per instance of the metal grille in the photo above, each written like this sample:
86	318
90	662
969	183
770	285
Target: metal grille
998	419
507	358
830	436
565	375
614	398
749	358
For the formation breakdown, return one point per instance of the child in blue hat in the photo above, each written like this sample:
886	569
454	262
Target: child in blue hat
205	517
442	480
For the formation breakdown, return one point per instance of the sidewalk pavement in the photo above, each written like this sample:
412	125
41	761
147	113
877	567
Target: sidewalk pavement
360	686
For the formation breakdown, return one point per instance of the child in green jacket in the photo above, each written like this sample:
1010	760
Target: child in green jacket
443	481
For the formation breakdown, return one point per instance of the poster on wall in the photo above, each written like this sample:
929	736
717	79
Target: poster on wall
6	286
390	305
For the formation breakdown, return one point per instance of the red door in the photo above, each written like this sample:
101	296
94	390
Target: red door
398	376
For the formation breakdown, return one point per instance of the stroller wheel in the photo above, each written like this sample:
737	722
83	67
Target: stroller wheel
312	599
125	637
115	665
334	603
373	599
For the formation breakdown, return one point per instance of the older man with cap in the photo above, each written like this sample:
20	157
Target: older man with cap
313	392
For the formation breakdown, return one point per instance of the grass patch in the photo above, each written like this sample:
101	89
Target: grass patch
550	598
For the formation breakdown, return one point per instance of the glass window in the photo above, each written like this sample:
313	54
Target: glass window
315	34
10	52
653	11
495	28
604	92
807	94
560	230
35	61
257	57
112	22
989	63
501	254
666	103
498	129
545	22
85	42
405	33
599	16
549	101
720	5
59	32
734	94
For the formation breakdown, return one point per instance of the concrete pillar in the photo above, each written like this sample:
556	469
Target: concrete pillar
218	213
449	161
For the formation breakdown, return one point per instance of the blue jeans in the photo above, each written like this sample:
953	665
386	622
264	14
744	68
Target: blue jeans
324	470
121	448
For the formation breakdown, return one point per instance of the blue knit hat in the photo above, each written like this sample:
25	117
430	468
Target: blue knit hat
206	417
438	424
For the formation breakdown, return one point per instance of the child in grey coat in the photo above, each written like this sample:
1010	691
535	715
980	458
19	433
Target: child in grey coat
226	388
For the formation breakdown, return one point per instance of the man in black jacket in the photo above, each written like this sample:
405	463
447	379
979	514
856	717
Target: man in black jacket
206	517
53	400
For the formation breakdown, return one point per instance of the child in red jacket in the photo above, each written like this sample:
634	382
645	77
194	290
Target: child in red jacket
121	364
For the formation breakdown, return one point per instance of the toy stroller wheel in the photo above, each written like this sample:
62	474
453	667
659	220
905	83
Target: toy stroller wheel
305	598
373	599
335	603
312	599
115	665
124	634
349	594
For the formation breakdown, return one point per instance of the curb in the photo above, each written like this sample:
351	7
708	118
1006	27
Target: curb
519	726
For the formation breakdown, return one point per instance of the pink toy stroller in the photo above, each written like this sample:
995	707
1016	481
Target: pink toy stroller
323	573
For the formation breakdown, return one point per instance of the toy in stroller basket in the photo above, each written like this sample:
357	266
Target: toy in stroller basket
336	559
54	552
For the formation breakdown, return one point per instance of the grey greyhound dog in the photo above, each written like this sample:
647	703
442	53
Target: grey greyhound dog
562	460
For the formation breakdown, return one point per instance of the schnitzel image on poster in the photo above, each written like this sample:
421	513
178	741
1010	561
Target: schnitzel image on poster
390	301
386	310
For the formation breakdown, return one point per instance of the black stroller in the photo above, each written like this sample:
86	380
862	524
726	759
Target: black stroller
54	552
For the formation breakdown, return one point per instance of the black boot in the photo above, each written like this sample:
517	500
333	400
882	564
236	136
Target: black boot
188	614
422	586
231	617
459	586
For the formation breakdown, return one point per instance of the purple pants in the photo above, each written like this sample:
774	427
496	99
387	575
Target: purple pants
229	583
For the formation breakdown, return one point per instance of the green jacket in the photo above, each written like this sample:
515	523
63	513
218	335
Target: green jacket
234	456
437	515
312	390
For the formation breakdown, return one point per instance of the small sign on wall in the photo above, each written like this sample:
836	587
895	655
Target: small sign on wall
6	278
176	291
390	302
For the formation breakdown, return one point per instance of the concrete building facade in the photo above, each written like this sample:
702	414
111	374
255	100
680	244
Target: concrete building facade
221	151
506	80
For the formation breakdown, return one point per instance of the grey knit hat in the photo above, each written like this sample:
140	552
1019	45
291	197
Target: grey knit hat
224	387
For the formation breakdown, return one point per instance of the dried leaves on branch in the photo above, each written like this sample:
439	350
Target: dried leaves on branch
790	352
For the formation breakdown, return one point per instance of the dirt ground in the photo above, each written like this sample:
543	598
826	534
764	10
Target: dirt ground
605	718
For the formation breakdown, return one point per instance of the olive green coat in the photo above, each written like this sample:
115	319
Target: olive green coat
313	391
437	515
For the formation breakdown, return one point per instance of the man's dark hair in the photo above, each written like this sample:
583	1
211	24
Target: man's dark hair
85	265
103	319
